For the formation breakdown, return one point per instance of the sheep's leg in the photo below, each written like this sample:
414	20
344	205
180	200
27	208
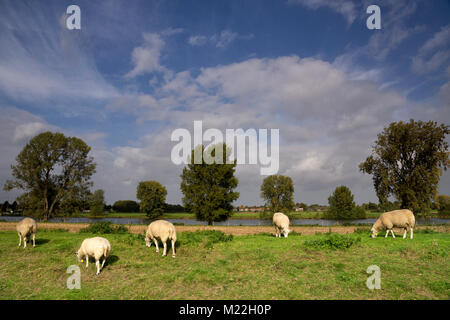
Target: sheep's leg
173	248
165	248
387	233
393	235
20	239
103	263
24	242
276	231
411	231
97	263
404	234
156	244
87	261
34	240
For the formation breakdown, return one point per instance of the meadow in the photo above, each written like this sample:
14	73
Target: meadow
213	265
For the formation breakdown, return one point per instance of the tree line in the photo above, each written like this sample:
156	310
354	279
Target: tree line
406	163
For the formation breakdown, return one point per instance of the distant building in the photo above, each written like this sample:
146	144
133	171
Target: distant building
298	209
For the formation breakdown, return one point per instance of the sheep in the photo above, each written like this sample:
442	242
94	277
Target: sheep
281	223
398	218
25	228
163	230
96	247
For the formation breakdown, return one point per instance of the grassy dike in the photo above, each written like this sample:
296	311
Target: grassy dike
257	266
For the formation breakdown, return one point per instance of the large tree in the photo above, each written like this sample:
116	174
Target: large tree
48	168
208	186
278	193
152	195
407	161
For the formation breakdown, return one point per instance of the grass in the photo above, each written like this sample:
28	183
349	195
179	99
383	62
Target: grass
210	265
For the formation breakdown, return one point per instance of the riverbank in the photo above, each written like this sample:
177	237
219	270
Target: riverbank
234	230
246	267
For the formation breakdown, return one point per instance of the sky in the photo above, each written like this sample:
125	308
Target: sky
138	70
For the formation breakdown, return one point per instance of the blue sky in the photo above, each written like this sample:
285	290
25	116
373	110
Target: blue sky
137	70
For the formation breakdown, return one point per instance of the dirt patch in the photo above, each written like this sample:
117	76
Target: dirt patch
234	230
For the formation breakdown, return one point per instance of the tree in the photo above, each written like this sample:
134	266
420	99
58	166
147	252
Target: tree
50	166
153	197
208	187
407	161
302	205
125	206
342	205
444	205
5	206
278	193
14	207
97	203
74	202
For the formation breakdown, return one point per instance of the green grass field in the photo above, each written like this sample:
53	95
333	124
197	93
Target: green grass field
247	267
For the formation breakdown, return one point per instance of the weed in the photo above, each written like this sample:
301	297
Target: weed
333	241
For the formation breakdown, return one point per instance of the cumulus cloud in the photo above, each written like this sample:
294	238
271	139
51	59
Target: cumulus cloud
146	58
327	121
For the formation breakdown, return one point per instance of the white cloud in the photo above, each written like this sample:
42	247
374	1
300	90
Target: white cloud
39	60
197	40
146	58
219	40
434	53
345	7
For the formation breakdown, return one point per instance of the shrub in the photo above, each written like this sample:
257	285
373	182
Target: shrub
125	206
334	241
207	237
104	227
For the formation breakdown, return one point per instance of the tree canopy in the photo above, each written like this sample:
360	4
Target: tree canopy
152	195
49	167
342	205
407	161
97	203
208	187
125	206
278	193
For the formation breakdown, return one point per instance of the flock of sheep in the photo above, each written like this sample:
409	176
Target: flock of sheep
99	247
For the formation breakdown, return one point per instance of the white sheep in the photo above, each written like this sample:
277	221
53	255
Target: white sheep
398	218
281	223
163	230
96	247
25	228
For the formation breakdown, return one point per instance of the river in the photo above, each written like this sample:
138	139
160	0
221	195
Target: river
230	222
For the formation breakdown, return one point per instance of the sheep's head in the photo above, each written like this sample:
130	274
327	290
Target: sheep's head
78	255
374	232
286	232
147	241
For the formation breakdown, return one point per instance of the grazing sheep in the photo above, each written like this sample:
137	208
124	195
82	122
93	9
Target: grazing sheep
96	247
281	223
25	228
163	230
398	218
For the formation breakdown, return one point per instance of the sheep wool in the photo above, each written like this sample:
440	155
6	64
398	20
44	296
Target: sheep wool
25	228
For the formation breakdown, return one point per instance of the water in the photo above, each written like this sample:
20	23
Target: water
230	222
